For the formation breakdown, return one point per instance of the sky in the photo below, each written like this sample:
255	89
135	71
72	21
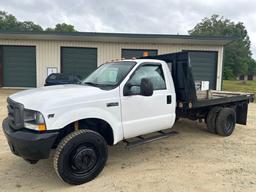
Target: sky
133	16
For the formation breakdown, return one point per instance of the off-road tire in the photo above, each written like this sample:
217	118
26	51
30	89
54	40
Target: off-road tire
226	122
68	160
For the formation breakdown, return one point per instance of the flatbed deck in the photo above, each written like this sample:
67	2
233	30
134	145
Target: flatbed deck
212	97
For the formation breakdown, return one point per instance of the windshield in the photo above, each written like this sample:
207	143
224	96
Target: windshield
109	74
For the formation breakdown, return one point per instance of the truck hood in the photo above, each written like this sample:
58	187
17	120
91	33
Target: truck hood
55	96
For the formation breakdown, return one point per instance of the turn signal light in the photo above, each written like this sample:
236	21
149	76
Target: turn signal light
41	127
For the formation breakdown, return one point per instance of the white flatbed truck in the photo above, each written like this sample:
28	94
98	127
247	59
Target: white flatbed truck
120	100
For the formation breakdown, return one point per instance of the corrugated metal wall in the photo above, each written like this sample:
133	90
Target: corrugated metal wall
48	52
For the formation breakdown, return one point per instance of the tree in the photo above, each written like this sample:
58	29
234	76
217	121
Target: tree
62	27
9	22
237	54
252	67
30	26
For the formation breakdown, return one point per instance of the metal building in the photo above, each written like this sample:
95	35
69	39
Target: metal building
26	58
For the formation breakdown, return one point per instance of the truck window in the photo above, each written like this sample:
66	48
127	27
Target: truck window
153	72
110	74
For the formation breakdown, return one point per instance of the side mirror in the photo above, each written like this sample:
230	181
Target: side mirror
146	87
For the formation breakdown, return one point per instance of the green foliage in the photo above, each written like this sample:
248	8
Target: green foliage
62	27
252	67
9	22
30	26
237	54
228	74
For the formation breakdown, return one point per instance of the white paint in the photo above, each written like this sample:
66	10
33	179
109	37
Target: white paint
70	103
51	70
141	115
205	85
135	115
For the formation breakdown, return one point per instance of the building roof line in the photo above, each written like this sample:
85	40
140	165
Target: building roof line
117	37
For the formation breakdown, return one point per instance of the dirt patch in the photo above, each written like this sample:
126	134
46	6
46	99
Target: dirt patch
193	160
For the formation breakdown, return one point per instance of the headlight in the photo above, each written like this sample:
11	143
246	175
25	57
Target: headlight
34	120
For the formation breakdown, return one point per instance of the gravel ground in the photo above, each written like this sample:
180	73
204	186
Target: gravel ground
193	160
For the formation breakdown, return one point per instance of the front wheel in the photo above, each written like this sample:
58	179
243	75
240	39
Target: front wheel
80	157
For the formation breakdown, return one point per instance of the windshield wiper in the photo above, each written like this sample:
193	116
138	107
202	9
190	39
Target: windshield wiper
91	83
97	85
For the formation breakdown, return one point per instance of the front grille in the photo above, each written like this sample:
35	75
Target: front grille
15	114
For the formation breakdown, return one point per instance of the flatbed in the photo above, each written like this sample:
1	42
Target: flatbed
194	104
212	97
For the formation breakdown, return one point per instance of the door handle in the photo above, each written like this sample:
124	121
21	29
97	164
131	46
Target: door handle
114	104
169	99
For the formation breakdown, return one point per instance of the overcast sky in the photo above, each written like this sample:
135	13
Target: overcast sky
133	16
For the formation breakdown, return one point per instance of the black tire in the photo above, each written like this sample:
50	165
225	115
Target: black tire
226	122
80	157
211	119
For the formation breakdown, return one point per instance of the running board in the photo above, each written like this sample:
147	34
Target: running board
143	140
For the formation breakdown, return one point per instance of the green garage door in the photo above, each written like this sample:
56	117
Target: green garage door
19	66
78	61
137	53
204	66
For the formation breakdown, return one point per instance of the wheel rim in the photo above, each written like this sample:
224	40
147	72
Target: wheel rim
83	160
229	124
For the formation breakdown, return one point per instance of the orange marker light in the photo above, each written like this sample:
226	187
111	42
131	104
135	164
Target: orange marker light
41	127
145	53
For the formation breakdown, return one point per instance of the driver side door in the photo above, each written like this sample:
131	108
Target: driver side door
146	114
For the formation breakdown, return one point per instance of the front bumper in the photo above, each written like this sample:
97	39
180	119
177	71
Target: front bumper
28	144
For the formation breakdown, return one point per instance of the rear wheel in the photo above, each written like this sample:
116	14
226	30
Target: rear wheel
80	157
211	119
226	122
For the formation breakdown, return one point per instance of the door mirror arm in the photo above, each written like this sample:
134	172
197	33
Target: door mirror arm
127	89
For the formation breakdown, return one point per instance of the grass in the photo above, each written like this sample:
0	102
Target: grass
241	86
